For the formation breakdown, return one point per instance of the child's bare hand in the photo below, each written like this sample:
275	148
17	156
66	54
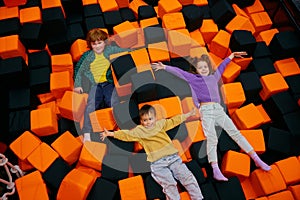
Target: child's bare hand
105	134
193	111
158	66
239	54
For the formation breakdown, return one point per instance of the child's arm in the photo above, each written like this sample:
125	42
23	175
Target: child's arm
178	119
106	133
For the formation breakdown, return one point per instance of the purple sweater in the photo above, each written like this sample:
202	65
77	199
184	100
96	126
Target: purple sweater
204	88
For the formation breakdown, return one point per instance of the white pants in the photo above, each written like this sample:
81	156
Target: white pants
212	115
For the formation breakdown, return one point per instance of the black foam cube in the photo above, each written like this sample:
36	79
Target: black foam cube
205	9
195	168
143	86
56	172
10	26
124	67
208	191
145	12
115	167
154	34
178	133
118	147
54	21
33	36
261	50
262	66
279	140
293	83
198	152
181	63
58	44
285	44
31	3
65	124
193	17
39	59
127	14
230	189
153	189
151	2
103	189
111	19
126	114
74	32
73	10
91	22
92	10
139	164
19	121
39	80
291	121
19	98
166	87
14	72
242	40
226	143
222	13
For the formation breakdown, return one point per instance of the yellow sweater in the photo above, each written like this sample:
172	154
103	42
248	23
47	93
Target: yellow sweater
99	68
155	141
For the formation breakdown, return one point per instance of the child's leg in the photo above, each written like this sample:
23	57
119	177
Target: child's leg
186	178
163	176
217	172
236	135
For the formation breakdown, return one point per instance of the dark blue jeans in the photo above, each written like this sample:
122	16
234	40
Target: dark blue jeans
99	97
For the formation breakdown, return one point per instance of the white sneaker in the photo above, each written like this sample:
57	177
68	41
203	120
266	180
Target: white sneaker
86	137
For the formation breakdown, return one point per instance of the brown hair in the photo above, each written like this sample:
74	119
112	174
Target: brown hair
194	62
94	35
145	109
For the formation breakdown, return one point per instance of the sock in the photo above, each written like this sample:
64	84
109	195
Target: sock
86	137
259	163
217	173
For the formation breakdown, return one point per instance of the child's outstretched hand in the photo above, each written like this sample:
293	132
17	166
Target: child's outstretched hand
238	54
158	66
105	134
192	112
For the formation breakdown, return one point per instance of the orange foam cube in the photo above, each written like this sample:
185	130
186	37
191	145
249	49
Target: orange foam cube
272	84
201	2
235	164
68	147
179	43
78	47
60	82
9	12
89	2
290	169
42	157
198	51
266	35
141	59
46	97
286	195
209	30
148	22
287	67
52	105
231	72
32	186
11	46
25	165
135	4
72	105
181	151
240	23
92	154
195	132
265	183
31	14
123	3
233	94
101	119
159	109
168	6
108	5
295	189
187	105
76	185
171	105
256	138
261	21
184	196
131	188
243	62
158	52
126	34
11	3
254	8
220	44
174	20
24	145
62	62
43	122
122	90
247	117
239	11
263	112
197	38
248	189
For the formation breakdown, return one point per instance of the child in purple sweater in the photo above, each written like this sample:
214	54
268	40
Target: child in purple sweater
205	90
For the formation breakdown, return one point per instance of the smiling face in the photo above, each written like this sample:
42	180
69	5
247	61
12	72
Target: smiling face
202	68
148	120
98	46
